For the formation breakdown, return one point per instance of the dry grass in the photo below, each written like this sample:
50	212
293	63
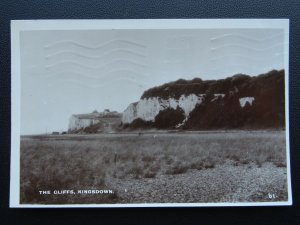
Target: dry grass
88	162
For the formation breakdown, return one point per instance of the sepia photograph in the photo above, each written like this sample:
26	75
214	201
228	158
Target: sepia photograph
150	113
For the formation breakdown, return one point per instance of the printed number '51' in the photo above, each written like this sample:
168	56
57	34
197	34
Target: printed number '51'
271	196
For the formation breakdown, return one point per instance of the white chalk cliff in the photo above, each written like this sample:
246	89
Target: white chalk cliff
237	102
245	100
148	108
81	121
76	123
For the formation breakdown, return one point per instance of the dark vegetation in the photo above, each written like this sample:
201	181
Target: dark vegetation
266	112
169	118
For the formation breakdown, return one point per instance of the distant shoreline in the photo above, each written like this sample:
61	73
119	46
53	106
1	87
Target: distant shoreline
142	132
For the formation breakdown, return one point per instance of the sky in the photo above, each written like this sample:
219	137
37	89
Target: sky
69	72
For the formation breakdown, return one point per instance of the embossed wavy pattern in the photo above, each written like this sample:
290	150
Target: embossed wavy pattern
244	53
113	72
99	55
98	67
77	44
102	84
244	37
91	65
249	48
246	58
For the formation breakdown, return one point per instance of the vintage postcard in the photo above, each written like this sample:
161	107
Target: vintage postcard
150	113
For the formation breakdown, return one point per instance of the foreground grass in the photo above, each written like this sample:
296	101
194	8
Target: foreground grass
90	162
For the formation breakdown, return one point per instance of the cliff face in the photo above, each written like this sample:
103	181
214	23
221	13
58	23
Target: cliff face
236	102
96	122
148	108
76	123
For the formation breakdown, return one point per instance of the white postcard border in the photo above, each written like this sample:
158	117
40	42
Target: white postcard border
25	25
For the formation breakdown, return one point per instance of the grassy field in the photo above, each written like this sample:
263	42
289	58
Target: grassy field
163	167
